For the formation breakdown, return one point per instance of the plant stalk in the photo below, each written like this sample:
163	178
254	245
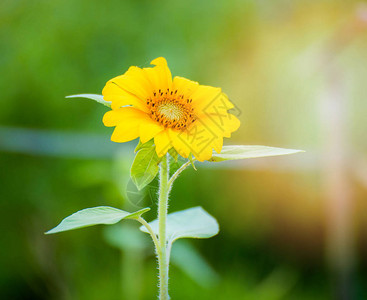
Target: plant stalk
163	263
178	172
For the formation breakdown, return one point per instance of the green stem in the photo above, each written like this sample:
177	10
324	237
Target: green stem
163	262
152	234
178	172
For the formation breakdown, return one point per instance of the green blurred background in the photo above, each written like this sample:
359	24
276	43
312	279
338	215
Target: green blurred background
291	227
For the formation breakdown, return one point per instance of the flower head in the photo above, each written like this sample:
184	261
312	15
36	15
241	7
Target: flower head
178	113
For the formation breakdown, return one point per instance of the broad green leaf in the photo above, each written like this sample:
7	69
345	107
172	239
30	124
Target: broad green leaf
145	145
145	167
194	222
97	98
94	216
243	152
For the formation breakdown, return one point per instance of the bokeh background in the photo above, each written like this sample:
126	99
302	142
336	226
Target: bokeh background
291	227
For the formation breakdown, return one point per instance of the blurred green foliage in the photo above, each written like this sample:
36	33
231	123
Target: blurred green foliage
267	55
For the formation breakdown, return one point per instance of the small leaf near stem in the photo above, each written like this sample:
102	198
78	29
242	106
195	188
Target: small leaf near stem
144	145
145	166
94	216
95	97
235	152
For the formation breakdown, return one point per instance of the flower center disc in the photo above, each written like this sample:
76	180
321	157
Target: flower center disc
171	110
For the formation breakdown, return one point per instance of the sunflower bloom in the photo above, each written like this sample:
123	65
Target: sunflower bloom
177	113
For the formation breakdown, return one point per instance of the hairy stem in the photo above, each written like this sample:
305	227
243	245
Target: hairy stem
152	234
178	172
163	262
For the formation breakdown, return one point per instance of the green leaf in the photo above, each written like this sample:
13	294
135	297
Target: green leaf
97	98
194	222
145	145
94	216
243	152
145	167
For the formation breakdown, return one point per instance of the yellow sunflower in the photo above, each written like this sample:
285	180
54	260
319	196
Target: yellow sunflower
178	113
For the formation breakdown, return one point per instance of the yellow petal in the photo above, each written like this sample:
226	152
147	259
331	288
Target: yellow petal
208	100
162	143
204	95
119	97
149	129
159	76
125	133
159	61
124	115
179	143
199	139
204	154
221	124
135	82
184	86
127	121
232	124
218	144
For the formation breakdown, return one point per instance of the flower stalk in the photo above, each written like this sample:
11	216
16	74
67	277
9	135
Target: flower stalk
177	173
163	261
